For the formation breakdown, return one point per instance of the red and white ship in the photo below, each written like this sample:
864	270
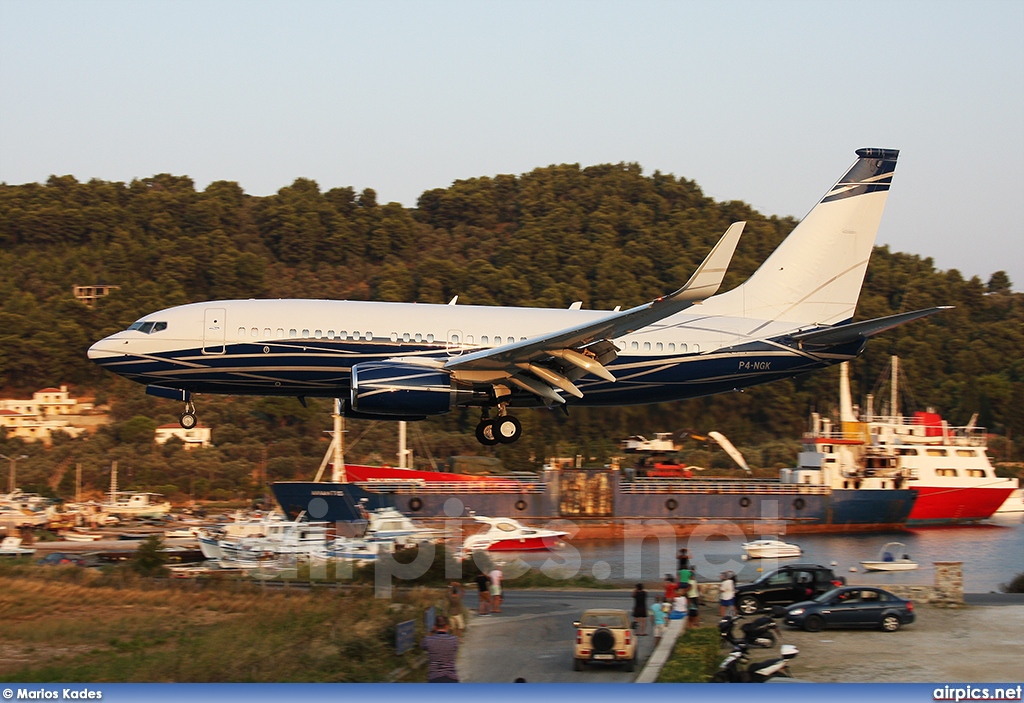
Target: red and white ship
947	466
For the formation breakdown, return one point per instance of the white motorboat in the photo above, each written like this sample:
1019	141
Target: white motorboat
771	549
81	536
11	547
889	561
507	535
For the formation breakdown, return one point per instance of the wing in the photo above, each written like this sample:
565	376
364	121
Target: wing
542	364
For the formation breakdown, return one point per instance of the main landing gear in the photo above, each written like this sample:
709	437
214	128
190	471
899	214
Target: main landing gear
503	429
188	419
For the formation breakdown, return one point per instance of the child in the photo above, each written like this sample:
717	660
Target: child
679	607
658	618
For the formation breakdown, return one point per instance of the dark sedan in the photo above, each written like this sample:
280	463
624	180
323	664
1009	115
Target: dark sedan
852	606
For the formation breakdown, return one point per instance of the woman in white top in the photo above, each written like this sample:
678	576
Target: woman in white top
727	594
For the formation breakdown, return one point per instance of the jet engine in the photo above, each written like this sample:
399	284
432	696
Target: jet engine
394	388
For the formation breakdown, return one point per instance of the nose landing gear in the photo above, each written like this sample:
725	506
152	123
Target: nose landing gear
188	419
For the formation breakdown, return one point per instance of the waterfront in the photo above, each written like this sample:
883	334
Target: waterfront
992	553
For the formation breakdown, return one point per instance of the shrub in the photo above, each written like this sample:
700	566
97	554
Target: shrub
1015	586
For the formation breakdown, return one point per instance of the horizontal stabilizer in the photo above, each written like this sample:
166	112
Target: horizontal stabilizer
841	334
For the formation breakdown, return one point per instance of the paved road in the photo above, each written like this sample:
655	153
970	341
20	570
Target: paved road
533	638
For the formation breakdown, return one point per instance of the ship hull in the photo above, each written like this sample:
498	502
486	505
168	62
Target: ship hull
951	505
601	497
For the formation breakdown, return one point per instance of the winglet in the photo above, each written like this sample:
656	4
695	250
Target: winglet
708	277
842	334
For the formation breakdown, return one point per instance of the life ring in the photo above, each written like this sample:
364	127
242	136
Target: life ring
520	504
415	505
799	504
744	502
671	504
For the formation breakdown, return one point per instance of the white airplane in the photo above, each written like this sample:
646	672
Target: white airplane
407	361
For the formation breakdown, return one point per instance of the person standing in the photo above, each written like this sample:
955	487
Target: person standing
670	588
483	584
454	597
640	609
442	648
727	594
683	557
658	619
495	589
693	603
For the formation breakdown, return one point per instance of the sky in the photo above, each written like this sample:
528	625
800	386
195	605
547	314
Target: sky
763	102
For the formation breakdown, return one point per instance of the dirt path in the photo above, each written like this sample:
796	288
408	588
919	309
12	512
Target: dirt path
973	644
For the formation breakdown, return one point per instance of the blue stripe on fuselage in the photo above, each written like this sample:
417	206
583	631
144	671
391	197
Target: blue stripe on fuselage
322	369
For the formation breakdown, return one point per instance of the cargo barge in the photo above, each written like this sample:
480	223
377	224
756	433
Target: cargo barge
601	501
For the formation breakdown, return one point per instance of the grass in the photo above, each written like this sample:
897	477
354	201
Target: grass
695	658
73	624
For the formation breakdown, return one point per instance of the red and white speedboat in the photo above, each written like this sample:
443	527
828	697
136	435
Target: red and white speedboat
507	535
947	466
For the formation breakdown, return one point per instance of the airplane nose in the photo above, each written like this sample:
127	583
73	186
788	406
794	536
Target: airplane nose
103	349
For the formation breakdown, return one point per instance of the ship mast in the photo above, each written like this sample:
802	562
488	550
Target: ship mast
894	388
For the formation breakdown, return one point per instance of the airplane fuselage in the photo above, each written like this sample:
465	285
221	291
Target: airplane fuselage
308	347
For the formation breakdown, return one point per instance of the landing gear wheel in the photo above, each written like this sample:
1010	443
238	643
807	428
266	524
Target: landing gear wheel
485	433
188	420
506	429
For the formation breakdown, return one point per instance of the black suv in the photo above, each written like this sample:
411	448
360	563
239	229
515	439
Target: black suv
790	584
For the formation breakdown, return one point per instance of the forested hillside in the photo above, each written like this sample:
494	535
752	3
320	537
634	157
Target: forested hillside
606	235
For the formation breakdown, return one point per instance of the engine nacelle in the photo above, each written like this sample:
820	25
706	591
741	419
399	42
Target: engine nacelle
392	388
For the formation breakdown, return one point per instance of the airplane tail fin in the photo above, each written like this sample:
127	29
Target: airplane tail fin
815	275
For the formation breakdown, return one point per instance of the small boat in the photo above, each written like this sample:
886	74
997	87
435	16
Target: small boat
11	547
888	561
771	549
507	535
182	533
81	536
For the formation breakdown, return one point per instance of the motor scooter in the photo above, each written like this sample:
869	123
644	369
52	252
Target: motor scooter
761	632
732	670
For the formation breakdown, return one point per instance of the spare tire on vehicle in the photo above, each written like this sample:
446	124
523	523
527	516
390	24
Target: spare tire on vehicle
603	640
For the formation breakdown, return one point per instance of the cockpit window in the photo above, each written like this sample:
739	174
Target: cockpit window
148	327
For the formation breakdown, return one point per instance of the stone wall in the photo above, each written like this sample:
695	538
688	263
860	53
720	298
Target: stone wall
946	592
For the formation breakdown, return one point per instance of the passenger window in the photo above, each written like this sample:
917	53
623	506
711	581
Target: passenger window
394	336
696	349
935	452
634	345
318	333
293	333
368	336
455	339
430	338
484	340
682	348
305	334
266	332
280	332
405	336
959	452
671	346
497	341
469	339
659	347
343	335
255	332
647	346
419	337
330	334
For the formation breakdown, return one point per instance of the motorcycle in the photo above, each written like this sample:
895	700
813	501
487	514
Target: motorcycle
762	632
731	670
